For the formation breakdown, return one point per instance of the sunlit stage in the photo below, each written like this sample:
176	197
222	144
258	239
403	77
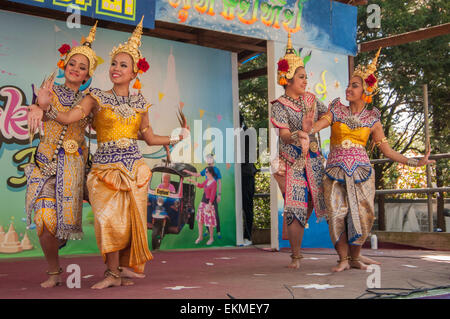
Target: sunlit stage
253	272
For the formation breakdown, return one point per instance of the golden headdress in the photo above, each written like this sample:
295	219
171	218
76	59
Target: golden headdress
367	74
84	49
131	47
288	64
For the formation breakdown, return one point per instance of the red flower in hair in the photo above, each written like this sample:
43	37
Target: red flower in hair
371	80
64	49
283	65
143	65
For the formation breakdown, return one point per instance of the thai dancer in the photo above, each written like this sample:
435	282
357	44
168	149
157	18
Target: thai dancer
299	168
349	183
118	180
55	181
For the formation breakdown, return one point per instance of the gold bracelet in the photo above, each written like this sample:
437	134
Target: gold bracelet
327	117
412	162
144	129
52	113
383	140
78	106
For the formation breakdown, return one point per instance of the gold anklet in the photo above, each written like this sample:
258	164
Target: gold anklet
111	274
344	259
54	273
296	257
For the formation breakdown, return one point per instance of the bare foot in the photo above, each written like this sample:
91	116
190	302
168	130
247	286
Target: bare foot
199	240
126	282
109	281
52	281
128	273
368	261
342	265
295	262
357	263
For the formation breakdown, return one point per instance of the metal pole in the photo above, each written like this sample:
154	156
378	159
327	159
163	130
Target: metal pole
427	147
432	157
413	190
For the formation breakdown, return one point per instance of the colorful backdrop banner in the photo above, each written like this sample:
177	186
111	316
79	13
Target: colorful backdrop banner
321	24
123	11
181	76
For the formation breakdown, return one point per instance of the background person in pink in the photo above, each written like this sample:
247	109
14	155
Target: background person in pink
218	179
206	211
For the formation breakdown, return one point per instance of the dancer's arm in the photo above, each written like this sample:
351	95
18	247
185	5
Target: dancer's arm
382	143
44	97
296	138
151	138
78	112
311	127
287	136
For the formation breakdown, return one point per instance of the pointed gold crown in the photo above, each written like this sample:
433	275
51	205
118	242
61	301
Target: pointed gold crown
364	72
86	50
289	63
131	46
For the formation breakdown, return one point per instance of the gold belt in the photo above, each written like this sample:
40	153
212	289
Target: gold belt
313	146
346	144
123	142
70	146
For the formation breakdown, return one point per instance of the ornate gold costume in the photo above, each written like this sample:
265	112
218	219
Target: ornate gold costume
55	182
57	200
118	181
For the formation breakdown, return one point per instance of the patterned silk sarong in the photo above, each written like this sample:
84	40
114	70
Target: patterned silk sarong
351	208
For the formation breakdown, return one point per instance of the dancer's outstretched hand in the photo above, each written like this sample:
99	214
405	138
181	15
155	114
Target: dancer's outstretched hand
308	121
44	94
424	160
34	118
185	129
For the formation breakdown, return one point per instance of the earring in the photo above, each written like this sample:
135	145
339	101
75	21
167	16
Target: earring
137	85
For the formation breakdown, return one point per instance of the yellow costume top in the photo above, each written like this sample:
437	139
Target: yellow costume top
116	134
